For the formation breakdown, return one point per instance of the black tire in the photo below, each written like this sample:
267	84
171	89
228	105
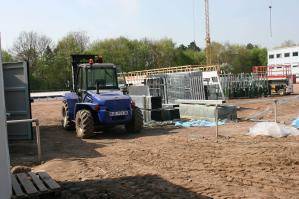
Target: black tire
136	124
84	124
66	122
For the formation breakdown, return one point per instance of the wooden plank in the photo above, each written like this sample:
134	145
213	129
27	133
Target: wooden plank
16	187
39	184
48	180
26	183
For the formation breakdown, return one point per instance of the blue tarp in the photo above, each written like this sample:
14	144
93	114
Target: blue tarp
295	123
198	123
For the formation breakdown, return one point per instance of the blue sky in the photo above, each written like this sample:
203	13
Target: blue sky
234	21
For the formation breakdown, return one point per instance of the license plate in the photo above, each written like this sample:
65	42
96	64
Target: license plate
118	113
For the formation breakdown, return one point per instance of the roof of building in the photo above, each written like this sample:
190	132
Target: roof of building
284	48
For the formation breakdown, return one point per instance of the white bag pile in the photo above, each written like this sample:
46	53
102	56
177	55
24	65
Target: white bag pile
272	129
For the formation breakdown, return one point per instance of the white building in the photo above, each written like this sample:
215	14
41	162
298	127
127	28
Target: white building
285	56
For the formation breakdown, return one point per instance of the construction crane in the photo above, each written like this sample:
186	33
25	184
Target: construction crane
208	36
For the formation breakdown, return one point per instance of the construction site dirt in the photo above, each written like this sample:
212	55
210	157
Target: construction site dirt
170	162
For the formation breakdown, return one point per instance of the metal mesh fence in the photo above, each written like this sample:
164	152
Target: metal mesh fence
190	85
185	85
244	85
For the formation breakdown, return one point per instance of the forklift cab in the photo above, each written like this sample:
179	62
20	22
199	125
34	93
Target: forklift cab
103	75
90	73
96	77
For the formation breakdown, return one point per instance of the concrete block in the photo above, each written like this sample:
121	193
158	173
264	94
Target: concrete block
205	112
205	102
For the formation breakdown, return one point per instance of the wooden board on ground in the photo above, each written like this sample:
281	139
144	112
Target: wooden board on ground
26	183
16	187
48	180
33	184
37	181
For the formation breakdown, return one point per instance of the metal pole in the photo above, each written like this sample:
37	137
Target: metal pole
275	110
38	142
270	7
216	121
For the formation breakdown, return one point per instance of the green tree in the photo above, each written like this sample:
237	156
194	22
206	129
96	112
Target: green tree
50	66
73	43
6	56
193	46
118	51
182	47
238	58
135	54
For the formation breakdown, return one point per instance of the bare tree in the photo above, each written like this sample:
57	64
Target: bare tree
81	38
29	46
43	44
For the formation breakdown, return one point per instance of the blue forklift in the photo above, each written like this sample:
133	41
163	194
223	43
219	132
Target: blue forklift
95	101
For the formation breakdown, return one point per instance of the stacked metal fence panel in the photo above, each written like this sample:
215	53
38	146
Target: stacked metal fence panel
185	85
157	86
213	92
244	85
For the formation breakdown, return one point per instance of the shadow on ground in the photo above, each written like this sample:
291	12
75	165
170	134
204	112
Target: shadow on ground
246	108
147	186
120	132
58	143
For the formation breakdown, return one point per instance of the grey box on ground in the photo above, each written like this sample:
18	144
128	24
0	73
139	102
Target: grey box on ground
207	112
152	108
147	102
165	115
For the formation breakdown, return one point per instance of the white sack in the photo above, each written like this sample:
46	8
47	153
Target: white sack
272	129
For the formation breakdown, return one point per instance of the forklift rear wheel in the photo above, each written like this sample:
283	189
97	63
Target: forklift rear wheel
136	124
84	124
67	123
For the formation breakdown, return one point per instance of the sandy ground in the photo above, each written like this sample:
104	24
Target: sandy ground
169	162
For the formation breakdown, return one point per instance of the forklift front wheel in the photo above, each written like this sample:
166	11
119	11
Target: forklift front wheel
84	124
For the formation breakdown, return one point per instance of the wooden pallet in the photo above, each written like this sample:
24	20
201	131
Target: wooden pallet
26	185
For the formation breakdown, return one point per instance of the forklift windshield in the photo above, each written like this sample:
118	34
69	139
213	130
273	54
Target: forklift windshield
106	78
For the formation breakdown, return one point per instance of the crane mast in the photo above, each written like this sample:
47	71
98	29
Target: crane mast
208	36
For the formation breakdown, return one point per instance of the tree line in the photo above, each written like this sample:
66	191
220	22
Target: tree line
50	63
